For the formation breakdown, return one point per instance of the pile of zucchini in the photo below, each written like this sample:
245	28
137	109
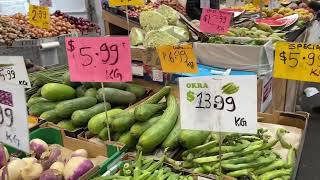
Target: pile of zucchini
71	105
145	169
239	156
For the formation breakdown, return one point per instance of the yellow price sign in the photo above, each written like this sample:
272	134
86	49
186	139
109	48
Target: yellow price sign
39	16
177	59
126	3
297	61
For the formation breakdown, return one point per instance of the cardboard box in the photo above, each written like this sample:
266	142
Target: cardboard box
148	56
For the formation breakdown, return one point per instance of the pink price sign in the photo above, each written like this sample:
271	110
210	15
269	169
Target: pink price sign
99	59
215	21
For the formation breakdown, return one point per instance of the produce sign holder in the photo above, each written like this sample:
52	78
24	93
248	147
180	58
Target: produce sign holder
73	134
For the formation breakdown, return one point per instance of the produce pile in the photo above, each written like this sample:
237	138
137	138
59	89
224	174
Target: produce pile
304	14
71	105
248	7
145	168
46	162
159	27
243	156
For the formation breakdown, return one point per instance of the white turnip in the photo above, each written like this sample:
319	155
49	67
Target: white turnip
38	146
76	167
80	152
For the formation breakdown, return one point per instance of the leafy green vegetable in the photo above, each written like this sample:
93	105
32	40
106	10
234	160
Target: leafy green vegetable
169	13
159	38
152	20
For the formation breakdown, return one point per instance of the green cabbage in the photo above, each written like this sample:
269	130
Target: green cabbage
169	13
152	20
158	38
136	36
177	32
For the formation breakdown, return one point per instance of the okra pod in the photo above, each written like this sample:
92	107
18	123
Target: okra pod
244	159
275	173
144	175
153	176
173	162
238	173
291	157
250	138
226	149
173	177
147	164
280	133
200	170
156	165
197	149
275	165
259	162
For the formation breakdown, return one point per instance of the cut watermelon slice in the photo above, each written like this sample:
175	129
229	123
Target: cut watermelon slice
272	22
290	19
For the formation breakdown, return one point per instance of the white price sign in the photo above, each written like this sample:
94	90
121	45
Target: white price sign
219	103
14	129
13	70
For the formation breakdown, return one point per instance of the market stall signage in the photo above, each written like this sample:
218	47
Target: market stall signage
14	130
126	3
215	21
39	16
297	61
99	59
219	103
177	59
13	70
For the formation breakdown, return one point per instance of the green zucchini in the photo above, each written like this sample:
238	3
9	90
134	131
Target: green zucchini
39	108
172	140
97	122
127	139
138	128
116	96
146	111
35	100
66	108
121	122
66	124
117	85
192	138
92	92
81	90
158	132
51	116
57	92
154	99
104	134
67	81
81	117
115	136
138	90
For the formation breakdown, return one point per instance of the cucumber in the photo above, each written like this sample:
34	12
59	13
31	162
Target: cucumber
51	116
81	117
57	92
158	132
66	108
137	90
128	140
67	125
192	138
116	96
97	122
146	111
154	99
35	100
39	108
81	90
172	140
92	92
115	136
117	85
138	128
121	122
104	134
67	81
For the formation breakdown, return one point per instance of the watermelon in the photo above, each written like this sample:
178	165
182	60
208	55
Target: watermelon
272	22
290	20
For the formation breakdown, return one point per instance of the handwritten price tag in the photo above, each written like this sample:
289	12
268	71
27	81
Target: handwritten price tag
297	61
14	129
126	3
39	16
101	59
13	70
215	21
177	59
219	103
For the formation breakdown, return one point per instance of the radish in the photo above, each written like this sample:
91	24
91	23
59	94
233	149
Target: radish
76	167
50	157
38	146
51	174
14	169
59	166
32	171
4	155
80	152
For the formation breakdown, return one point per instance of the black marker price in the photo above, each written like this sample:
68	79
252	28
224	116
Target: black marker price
6	116
7	74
